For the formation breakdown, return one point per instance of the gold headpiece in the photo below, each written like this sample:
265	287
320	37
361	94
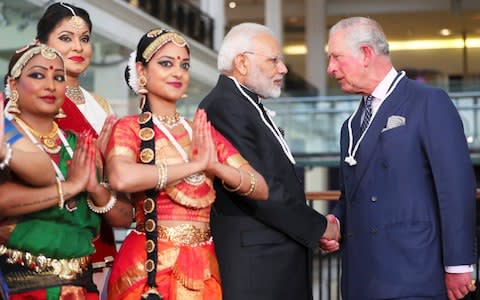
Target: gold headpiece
45	51
162	36
75	20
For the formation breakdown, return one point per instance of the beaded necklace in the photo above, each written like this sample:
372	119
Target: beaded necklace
170	121
75	94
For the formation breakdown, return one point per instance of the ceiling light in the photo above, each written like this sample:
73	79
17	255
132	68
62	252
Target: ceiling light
232	4
445	32
301	49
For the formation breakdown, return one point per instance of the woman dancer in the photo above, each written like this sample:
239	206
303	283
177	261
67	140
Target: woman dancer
168	164
46	237
68	29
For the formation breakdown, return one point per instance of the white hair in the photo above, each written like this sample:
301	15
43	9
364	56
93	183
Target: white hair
362	30
238	40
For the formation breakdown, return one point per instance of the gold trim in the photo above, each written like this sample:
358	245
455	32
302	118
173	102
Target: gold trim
146	134
162	38
66	268
146	155
149	265
150	246
144	117
150	225
185	234
148	205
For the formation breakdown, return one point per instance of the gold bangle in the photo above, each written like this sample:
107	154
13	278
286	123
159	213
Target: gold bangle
61	200
253	185
239	185
162	176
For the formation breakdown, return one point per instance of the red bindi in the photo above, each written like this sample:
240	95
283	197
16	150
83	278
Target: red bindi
50	67
178	57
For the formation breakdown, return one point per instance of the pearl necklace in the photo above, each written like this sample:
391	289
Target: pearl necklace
48	141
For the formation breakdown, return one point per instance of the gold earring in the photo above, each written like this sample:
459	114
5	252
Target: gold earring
142	82
13	105
60	114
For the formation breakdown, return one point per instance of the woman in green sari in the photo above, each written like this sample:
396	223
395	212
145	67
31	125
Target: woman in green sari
46	232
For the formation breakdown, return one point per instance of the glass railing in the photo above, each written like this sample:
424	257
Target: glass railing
312	124
181	15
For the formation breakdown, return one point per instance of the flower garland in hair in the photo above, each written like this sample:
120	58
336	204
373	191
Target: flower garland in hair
132	72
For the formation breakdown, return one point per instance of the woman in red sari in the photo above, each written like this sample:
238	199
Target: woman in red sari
68	28
168	164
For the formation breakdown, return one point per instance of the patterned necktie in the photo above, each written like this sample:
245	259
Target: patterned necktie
367	113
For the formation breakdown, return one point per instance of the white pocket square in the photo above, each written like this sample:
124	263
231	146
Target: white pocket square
394	121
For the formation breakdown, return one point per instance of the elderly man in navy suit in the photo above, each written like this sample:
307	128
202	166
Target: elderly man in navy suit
407	204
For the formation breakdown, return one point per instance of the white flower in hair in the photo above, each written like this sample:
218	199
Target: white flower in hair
132	72
7	91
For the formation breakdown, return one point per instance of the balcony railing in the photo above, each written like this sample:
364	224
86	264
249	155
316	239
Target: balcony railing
312	124
181	15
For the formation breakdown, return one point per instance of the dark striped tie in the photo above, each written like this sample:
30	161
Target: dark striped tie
367	116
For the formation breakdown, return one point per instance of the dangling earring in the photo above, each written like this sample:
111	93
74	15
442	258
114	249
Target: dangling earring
60	114
142	82
13	105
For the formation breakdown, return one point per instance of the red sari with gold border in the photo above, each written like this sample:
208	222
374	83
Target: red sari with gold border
183	271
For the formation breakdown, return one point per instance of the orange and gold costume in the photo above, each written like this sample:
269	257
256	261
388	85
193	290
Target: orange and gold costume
187	266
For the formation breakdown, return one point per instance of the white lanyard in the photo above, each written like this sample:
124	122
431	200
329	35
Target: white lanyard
350	158
37	143
273	129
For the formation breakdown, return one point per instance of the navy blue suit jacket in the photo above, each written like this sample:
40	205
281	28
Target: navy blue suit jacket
407	209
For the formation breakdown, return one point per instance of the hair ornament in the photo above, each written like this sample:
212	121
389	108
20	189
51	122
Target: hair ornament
162	36
35	42
7	91
132	72
45	51
75	20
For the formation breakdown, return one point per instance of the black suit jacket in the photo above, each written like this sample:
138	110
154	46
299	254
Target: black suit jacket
264	248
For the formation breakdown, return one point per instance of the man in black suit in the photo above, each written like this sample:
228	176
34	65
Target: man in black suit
264	248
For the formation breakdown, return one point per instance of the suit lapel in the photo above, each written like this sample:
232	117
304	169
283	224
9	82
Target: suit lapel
371	138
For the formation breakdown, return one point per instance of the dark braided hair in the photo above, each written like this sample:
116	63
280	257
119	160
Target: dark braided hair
148	45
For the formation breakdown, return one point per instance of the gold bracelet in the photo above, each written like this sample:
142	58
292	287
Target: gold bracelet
107	207
162	176
61	200
239	185
253	185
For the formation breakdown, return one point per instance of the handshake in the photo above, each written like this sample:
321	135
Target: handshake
329	242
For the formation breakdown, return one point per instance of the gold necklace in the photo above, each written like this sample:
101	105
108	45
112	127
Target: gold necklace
170	121
75	94
49	141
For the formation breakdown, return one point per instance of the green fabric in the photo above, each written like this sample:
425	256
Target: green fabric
55	232
53	293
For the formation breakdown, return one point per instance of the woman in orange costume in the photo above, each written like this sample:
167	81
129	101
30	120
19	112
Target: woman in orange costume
68	28
168	165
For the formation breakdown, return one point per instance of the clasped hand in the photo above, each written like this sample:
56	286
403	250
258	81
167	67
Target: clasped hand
329	242
203	147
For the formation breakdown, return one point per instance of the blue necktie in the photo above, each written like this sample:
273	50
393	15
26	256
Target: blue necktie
367	116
